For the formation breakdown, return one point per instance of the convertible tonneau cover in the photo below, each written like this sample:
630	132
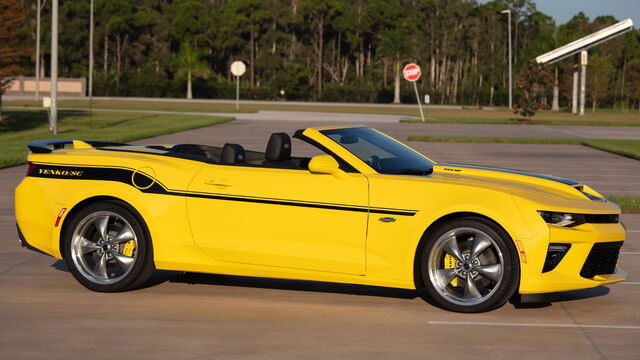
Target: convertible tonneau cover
43	146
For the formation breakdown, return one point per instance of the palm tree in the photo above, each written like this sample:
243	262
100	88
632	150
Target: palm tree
189	64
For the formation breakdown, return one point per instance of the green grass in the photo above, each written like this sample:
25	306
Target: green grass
514	121
464	116
628	204
138	105
20	127
628	148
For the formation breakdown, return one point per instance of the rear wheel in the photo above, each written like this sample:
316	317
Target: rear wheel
469	265
107	248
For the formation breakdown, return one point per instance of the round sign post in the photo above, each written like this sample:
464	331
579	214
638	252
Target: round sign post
412	72
237	69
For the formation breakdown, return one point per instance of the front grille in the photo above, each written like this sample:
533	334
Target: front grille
601	260
602	218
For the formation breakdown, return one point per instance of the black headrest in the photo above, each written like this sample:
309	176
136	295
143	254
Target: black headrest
279	147
232	154
190	149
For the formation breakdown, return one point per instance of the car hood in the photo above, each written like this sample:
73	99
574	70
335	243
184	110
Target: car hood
517	181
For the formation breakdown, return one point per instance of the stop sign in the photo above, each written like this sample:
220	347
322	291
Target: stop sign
411	72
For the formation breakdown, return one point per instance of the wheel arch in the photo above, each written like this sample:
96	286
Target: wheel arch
92	200
417	278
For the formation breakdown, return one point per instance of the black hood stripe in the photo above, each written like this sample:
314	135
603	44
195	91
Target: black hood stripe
518	172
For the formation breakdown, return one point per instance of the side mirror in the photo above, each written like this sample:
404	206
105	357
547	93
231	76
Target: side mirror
326	164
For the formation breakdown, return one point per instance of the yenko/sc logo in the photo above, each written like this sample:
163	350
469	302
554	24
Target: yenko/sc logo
59	172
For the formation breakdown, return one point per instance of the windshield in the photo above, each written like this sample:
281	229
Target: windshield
382	153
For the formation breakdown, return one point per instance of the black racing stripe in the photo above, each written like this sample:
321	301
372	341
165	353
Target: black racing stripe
147	184
393	212
279	202
510	171
300	204
144	182
294	202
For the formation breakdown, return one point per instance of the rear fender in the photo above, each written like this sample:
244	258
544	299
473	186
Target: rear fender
164	215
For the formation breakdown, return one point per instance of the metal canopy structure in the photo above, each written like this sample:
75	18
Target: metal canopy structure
585	43
581	46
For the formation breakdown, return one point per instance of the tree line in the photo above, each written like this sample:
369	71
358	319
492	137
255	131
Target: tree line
329	50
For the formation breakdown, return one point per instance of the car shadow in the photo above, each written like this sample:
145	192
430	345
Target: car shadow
583	294
162	276
60	265
296	285
158	277
545	300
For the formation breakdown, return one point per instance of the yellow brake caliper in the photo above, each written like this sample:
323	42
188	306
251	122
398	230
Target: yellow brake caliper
450	263
129	247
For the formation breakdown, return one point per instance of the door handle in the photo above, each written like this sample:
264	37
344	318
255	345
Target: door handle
218	182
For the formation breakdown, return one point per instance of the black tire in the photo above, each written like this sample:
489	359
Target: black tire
137	273
452	295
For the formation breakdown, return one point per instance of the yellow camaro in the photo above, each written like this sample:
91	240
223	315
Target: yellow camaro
369	211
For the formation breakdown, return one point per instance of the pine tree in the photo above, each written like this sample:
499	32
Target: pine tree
11	39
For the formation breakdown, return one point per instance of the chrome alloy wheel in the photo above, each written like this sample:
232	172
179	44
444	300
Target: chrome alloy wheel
465	266
104	247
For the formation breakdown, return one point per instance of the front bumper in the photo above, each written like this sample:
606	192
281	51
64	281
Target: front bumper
576	270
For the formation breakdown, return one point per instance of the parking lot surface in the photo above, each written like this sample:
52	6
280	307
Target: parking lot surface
45	313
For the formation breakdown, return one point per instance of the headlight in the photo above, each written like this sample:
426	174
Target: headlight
562	219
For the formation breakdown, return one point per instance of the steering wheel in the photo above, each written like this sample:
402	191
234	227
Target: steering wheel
375	162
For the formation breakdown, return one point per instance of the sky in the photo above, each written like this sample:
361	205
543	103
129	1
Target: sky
563	10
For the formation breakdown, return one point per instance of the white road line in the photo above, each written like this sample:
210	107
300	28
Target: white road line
630	252
630	282
633	230
627	327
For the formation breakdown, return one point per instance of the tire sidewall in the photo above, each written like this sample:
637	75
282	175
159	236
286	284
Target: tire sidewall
144	247
511	270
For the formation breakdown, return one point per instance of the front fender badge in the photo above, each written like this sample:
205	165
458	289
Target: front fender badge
387	219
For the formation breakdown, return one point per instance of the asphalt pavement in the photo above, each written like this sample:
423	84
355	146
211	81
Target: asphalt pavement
45	313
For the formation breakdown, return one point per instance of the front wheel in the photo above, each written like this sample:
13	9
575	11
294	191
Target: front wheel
469	265
107	248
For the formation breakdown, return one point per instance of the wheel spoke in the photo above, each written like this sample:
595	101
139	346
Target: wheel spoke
470	289
444	276
101	224
125	234
101	266
451	248
492	272
122	260
479	245
87	246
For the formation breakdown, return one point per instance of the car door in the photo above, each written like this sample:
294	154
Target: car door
280	217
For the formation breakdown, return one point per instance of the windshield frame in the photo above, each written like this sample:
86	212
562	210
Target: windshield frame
423	165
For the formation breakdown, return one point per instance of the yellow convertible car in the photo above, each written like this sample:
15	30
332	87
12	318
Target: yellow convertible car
368	210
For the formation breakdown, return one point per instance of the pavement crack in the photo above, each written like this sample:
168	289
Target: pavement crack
584	333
